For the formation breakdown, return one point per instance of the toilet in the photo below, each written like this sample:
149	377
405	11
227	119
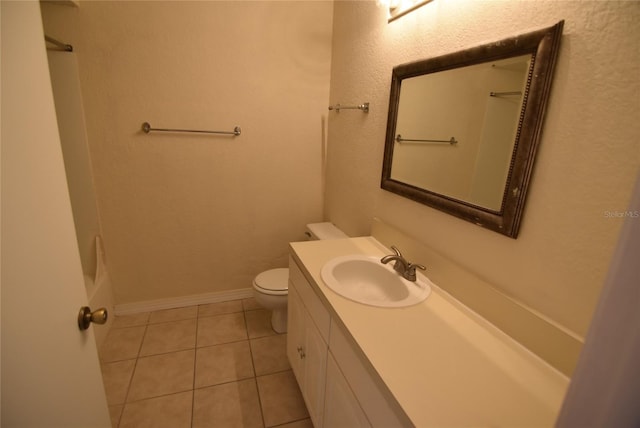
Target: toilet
271	287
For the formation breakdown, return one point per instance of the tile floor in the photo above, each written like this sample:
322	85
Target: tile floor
215	365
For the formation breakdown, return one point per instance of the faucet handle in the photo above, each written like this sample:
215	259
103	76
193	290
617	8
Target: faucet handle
413	266
395	250
410	273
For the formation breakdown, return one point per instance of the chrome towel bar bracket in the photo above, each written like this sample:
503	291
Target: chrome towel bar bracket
451	141
60	45
504	94
146	127
364	107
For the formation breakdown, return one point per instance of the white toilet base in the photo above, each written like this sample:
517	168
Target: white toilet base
279	320
278	307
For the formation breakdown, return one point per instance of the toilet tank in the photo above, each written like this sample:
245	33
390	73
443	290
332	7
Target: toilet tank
326	230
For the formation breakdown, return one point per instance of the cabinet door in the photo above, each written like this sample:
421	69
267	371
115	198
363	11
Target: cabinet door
341	408
315	369
295	334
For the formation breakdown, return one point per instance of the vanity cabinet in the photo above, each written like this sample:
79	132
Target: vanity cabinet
436	363
337	389
307	353
341	407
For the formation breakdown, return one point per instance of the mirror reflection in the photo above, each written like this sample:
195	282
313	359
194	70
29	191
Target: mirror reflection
456	130
463	128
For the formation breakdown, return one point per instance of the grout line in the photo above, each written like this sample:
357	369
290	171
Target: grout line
195	360
226	382
253	365
290	422
168	394
133	372
255	382
195	348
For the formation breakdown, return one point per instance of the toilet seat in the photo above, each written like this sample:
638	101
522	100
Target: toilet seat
274	282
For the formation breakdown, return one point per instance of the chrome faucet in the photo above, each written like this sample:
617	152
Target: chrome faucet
402	266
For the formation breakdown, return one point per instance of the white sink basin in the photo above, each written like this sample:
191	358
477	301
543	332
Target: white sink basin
366	280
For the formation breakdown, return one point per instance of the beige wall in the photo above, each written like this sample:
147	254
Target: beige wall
184	214
585	169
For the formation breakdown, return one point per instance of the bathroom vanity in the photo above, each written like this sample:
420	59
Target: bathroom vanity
436	363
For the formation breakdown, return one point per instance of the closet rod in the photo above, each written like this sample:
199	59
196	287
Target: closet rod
64	46
451	141
146	127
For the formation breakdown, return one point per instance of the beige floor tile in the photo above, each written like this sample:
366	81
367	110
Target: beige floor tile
122	344
250	304
270	354
281	399
235	343
234	404
259	323
221	329
114	414
116	378
170	411
176	314
220	308
132	320
304	423
162	374
223	363
169	337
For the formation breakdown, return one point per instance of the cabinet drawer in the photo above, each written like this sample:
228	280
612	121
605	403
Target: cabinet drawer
311	301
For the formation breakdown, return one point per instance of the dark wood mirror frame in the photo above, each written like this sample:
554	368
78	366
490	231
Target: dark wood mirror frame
543	45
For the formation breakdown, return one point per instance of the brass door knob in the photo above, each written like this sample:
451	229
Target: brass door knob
86	317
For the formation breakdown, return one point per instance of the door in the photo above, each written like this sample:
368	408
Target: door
50	370
315	365
295	333
307	352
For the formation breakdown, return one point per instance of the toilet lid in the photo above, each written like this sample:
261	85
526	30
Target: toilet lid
274	280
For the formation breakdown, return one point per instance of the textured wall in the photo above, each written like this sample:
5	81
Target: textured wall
585	169
184	214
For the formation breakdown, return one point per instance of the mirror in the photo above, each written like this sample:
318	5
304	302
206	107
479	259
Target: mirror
463	128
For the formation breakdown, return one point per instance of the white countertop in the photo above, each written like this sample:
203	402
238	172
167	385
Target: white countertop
444	364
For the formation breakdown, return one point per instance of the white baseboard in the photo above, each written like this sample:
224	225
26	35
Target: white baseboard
179	302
